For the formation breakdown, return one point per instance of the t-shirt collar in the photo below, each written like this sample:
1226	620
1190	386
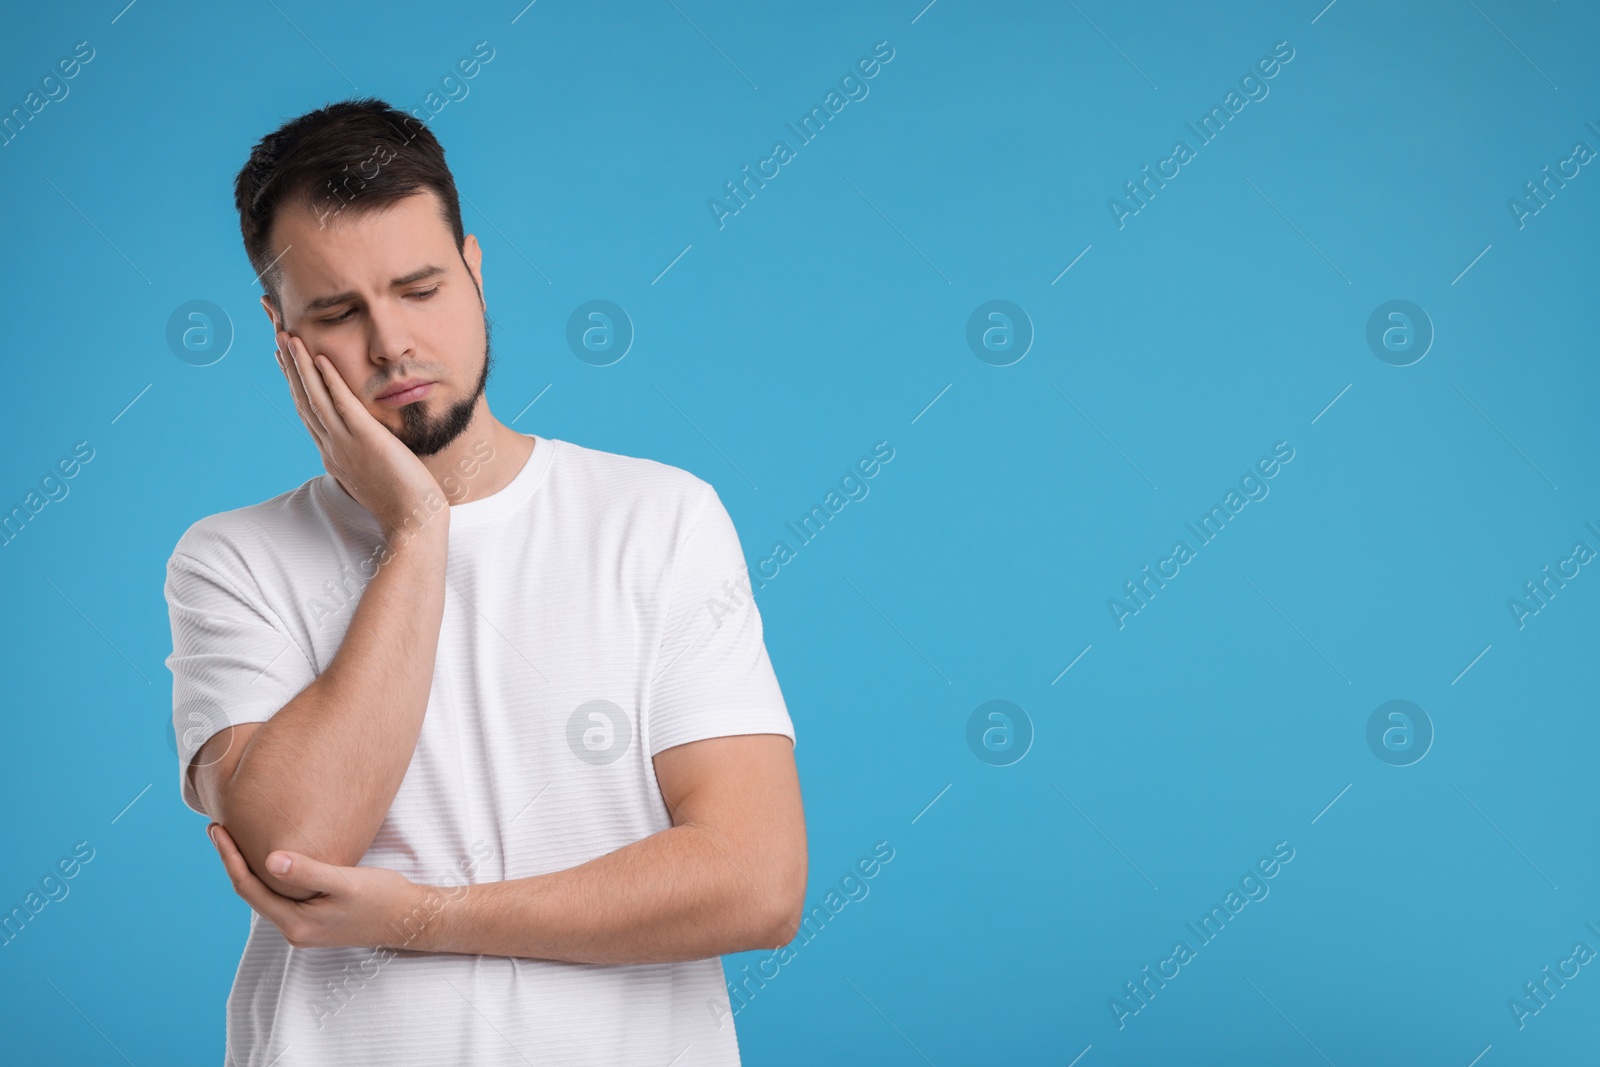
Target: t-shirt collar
483	509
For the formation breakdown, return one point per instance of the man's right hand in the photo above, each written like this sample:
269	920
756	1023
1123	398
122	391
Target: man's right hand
369	461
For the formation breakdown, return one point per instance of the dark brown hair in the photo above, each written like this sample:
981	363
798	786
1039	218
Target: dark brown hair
360	155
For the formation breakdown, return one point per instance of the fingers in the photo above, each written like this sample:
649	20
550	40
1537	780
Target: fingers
303	872
356	418
314	389
301	379
297	391
277	909
313	377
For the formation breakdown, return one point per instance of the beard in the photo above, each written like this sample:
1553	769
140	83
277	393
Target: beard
426	436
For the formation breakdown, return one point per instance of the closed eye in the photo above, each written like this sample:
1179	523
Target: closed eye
421	294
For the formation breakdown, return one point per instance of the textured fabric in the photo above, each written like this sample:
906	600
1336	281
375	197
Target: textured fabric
594	616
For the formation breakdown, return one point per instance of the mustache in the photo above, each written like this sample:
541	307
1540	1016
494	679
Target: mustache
378	386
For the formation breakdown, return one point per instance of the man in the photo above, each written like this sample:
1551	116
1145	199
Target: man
484	720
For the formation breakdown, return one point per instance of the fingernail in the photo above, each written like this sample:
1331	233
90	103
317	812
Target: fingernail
211	832
278	863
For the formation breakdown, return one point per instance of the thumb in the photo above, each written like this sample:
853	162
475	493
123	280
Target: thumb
303	872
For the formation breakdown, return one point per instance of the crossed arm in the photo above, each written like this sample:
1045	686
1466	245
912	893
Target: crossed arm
297	800
303	794
728	876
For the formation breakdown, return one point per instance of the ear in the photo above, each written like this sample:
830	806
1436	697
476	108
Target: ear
472	255
272	313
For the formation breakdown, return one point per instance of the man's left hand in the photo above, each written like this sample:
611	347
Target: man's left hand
360	907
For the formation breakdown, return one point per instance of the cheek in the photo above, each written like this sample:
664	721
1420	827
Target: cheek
465	306
347	354
456	330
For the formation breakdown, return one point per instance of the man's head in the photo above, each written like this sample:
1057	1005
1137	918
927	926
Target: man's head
351	220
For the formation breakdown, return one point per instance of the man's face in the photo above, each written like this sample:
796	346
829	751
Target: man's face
387	298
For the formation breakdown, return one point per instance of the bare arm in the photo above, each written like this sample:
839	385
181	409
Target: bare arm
728	876
319	776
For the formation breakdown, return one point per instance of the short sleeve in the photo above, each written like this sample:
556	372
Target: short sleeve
231	662
712	676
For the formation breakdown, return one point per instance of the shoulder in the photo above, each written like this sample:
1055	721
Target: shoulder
230	542
634	490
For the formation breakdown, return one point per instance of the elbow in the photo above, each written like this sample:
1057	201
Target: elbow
784	912
262	824
781	930
262	841
254	844
258	832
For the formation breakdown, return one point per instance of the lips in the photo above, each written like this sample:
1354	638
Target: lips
407	392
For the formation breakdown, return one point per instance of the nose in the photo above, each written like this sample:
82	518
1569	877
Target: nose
389	340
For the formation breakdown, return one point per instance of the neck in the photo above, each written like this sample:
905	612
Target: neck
480	462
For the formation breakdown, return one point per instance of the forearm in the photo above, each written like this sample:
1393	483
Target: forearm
679	894
319	776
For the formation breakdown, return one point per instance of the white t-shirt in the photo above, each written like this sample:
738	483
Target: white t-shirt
592	619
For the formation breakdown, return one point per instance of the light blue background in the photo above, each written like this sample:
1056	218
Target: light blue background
827	315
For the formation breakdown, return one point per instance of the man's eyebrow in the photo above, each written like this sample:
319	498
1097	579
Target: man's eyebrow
322	303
